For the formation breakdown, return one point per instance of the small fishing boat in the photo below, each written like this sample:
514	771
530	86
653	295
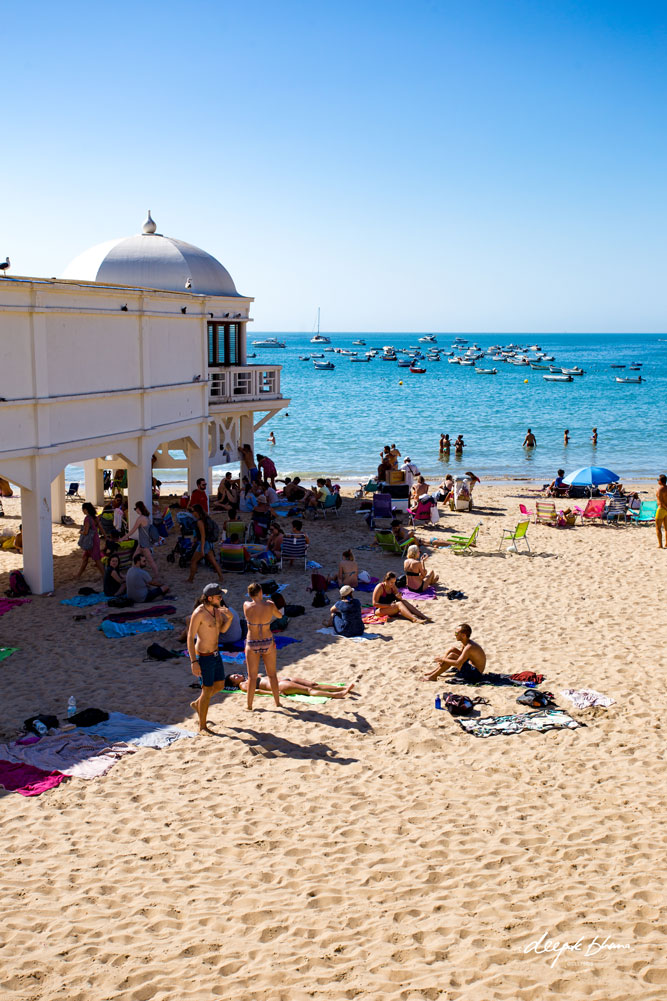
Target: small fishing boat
253	355
366	358
324	366
548	358
405	363
417	371
635	368
572	371
454	361
487	371
626	378
540	368
617	366
466	361
317	356
360	343
304	357
555	370
388	357
555	377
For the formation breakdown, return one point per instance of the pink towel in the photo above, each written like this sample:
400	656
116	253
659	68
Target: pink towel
26	779
6	604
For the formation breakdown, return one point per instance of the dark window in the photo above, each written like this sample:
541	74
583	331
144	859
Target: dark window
223	343
232	353
211	344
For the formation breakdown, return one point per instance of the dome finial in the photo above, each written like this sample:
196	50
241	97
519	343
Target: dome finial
149	226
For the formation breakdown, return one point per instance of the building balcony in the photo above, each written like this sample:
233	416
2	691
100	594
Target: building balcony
243	383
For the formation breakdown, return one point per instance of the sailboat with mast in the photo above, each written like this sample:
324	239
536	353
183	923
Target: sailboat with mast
319	338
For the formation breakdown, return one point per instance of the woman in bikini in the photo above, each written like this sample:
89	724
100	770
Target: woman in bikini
415	572
290	686
388	601
348	570
260	613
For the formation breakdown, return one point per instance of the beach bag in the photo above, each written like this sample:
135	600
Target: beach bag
461	705
318	582
157	652
121	602
87	540
153	533
50	722
18	585
535	699
88	717
320	600
269	587
279	625
212	530
294	610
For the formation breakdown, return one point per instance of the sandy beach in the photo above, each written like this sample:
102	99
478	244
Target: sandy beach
366	848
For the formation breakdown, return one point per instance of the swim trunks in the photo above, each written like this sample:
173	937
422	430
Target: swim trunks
661	513
212	668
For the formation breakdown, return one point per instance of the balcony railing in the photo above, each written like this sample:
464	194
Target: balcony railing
237	383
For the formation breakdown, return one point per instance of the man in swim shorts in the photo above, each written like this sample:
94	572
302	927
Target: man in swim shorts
468	654
661	512
530	441
260	613
208	621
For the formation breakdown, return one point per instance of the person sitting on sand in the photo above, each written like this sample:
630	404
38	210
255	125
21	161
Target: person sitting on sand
290	686
114	582
469	654
345	615
419	489
139	584
260	613
348	570
207	622
388	601
400	533
557	488
415	572
274	541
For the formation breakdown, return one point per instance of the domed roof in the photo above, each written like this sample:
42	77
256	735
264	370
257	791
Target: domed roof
150	260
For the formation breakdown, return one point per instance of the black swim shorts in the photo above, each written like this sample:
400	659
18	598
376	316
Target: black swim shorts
212	669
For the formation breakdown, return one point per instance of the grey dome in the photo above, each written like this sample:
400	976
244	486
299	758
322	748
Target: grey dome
150	260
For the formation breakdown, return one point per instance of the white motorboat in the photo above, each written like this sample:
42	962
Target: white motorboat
317	355
269	342
548	358
486	371
360	343
541	368
554	377
466	361
454	361
428	339
405	362
324	366
572	371
627	379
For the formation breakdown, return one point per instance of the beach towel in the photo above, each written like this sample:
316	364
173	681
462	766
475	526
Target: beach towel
7	651
330	631
75	753
428	594
312	565
6	604
370	615
26	779
468	675
140	732
114	630
152	612
84	600
541	720
368	586
312	699
586	698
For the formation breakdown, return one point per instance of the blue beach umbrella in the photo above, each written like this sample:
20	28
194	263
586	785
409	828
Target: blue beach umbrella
591	476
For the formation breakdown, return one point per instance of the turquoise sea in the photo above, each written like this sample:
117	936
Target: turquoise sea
339	420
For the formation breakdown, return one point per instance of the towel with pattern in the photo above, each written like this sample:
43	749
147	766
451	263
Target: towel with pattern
26	779
141	732
541	720
587	698
114	630
75	753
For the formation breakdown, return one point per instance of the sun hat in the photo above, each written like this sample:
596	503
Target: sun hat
345	590
212	589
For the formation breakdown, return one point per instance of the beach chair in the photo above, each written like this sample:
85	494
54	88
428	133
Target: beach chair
464	543
73	491
617	509
646	513
462	495
330	504
294	547
515	535
423	512
237	528
545	514
370	488
594	509
388	543
382	508
525	512
232	558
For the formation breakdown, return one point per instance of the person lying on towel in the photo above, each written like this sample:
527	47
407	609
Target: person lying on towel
289	686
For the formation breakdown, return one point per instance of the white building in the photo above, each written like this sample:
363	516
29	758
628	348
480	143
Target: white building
139	349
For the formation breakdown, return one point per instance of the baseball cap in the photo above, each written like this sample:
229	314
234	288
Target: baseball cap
212	589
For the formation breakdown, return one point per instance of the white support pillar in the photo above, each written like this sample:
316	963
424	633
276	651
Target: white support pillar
94	478
37	539
58	488
197	456
140	480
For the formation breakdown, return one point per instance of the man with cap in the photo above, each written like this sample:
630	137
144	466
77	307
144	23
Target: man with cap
208	621
345	615
410	470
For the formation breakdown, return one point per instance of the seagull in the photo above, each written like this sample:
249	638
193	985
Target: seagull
196	378
188	283
124	308
184	309
4	267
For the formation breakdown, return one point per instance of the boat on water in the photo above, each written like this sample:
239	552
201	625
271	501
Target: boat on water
454	361
627	379
417	371
555	370
428	339
269	342
572	371
252	355
537	367
548	358
360	343
366	358
405	362
324	366
617	366
317	337
460	340
557	377
486	371
304	357
313	356
635	368
466	361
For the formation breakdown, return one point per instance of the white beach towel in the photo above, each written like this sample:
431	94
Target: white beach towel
330	631
585	698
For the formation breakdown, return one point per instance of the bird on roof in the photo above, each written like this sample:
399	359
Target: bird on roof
188	283
4	267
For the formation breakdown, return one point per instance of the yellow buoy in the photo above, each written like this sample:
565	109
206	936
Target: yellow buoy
525	380
400	382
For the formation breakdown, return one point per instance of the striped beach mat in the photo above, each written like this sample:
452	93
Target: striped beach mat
503	726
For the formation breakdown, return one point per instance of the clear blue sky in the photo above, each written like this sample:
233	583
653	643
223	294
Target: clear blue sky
422	165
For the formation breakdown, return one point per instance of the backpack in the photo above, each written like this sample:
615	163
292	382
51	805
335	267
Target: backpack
157	652
153	533
320	600
318	582
535	699
212	530
18	585
459	705
293	610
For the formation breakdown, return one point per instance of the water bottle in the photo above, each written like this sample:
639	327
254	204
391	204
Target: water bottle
71	706
438	702
39	727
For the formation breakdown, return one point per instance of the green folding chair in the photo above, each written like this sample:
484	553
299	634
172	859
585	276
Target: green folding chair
237	528
388	543
646	513
464	543
515	535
